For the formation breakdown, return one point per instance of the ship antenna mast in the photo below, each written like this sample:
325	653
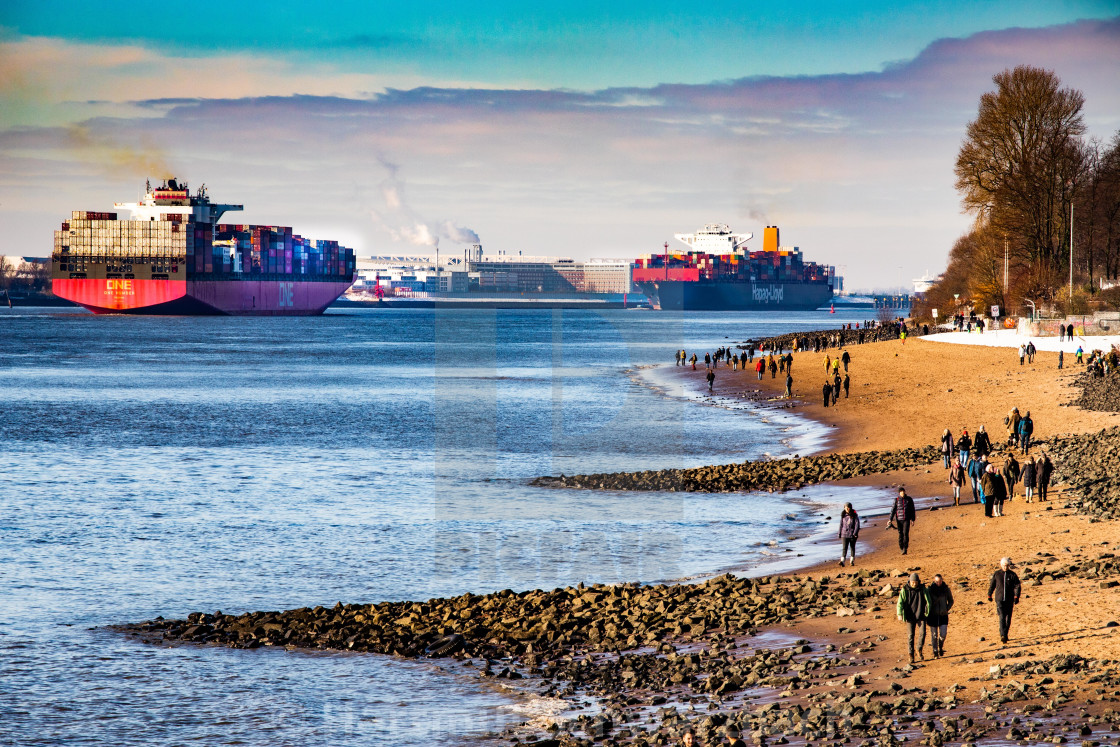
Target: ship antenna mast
666	260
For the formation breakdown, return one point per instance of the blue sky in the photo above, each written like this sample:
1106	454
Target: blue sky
581	129
578	44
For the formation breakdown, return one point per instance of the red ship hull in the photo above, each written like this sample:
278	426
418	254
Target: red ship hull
235	297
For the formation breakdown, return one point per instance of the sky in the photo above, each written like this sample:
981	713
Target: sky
573	129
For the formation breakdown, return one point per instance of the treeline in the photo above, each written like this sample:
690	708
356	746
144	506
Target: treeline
24	278
1024	165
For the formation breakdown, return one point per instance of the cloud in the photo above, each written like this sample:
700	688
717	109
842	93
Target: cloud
855	168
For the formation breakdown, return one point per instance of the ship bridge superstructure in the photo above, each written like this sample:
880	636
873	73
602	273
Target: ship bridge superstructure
715	238
175	198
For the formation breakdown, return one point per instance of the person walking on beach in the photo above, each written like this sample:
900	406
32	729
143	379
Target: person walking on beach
1045	470
913	609
1012	422
826	392
789	362
1030	478
993	492
773	368
947	448
835	388
789	386
847	383
1026	428
711	378
956	479
940	602
1004	590
964	445
1079	353
1031	350
1022	353
1011	474
982	445
846	359
708	360
759	366
1061	359
693	361
902	517
827	363
849	533
975	471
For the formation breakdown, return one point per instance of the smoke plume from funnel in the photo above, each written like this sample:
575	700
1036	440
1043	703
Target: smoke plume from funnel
115	158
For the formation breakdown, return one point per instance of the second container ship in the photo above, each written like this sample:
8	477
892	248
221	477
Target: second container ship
719	274
172	256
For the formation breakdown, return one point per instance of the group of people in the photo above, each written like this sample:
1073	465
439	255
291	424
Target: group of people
925	608
831	389
967	458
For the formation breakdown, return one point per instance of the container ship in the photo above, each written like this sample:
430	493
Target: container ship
172	256
718	273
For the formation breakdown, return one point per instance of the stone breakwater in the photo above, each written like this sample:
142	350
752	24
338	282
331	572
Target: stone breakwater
771	475
668	658
832	338
1101	393
1090	465
530	623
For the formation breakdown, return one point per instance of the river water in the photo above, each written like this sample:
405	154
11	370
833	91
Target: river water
159	466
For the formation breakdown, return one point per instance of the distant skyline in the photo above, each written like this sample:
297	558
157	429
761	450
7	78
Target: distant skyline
577	130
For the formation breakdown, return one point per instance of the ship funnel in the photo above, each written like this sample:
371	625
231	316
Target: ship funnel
770	241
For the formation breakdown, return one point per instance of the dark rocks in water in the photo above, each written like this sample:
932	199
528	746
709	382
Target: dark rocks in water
776	474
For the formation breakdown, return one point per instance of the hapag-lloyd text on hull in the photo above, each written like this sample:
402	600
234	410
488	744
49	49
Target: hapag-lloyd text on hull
768	293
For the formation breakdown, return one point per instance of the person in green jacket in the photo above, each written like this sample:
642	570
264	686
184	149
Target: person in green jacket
913	609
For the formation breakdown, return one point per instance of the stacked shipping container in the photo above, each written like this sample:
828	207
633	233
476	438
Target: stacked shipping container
91	238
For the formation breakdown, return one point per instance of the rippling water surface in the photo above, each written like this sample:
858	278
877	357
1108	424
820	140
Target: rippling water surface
158	466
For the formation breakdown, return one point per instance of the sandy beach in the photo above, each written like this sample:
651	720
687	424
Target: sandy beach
905	395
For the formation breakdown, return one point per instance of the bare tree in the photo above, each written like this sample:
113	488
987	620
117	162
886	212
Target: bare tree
1022	160
7	272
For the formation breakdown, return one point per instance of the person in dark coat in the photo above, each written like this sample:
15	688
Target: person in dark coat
847	383
849	533
964	445
789	385
995	491
1010	474
846	359
1030	479
913	609
946	447
836	388
976	469
1045	470
1026	429
940	602
711	379
982	445
902	517
1004	590
826	392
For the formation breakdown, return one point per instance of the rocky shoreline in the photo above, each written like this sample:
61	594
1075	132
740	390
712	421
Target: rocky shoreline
651	654
770	475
